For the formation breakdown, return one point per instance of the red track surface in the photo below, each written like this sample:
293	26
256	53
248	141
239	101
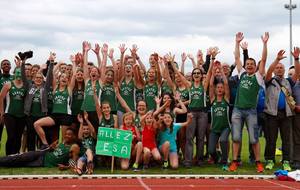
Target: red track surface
165	184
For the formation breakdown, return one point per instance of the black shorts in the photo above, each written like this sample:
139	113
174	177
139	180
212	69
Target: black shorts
61	119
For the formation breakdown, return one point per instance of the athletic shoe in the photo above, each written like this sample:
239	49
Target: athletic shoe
135	167
233	166
187	165
270	165
44	147
225	167
286	165
210	160
165	165
278	152
259	167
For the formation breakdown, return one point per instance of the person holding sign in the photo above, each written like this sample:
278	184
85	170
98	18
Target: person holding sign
137	147
87	135
167	139
149	126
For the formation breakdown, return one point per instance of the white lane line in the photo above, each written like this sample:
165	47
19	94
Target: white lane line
281	185
143	184
151	176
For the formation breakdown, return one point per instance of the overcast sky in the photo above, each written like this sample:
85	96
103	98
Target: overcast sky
154	25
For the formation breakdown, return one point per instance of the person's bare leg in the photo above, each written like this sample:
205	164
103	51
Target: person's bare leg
38	126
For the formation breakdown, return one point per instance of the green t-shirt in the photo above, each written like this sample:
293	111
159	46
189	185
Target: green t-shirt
36	107
151	91
184	94
108	95
137	122
197	97
220	116
165	88
247	92
4	79
15	101
139	94
61	102
88	143
127	91
59	156
77	99
110	123
88	103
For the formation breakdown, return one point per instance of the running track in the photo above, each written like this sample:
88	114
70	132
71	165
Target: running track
147	184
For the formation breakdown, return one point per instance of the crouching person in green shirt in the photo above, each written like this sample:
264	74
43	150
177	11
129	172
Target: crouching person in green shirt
55	155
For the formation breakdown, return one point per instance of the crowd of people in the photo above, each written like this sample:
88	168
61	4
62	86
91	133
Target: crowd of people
169	111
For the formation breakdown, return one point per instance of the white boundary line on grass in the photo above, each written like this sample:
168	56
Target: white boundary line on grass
130	176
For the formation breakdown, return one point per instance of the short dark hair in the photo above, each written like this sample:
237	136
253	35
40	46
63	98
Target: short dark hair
251	59
5	60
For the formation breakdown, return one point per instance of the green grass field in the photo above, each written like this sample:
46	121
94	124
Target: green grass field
245	169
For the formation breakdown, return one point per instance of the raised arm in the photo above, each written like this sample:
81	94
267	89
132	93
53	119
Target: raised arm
104	52
23	75
200	60
139	81
182	109
263	61
280	56
97	52
244	46
296	63
168	78
137	58
92	129
183	59
49	77
226	85
121	70
86	47
97	104
80	131
237	60
212	85
122	101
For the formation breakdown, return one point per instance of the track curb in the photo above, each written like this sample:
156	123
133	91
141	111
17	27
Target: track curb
143	176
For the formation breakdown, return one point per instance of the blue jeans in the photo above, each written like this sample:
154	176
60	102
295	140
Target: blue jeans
239	117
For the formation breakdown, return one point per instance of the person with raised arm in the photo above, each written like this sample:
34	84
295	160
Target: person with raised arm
246	101
91	79
77	81
219	98
296	119
137	147
13	116
198	107
88	137
36	100
127	84
167	139
278	112
61	111
149	131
